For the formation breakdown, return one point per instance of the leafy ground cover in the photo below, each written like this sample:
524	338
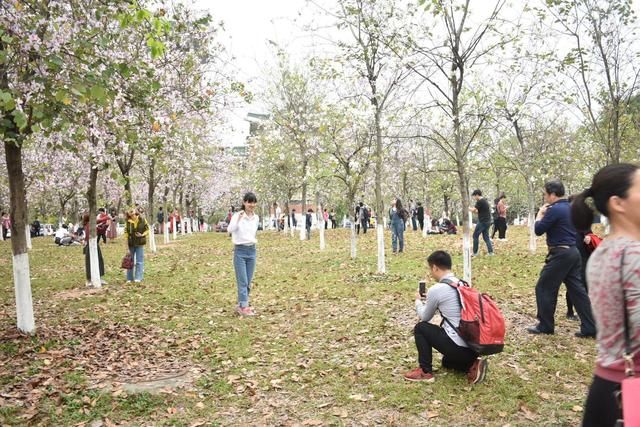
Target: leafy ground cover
328	347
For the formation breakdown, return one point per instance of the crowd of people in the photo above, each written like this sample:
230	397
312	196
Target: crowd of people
601	276
608	308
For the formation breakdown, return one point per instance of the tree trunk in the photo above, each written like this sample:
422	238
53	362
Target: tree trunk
379	202
303	228
18	215
531	197
92	240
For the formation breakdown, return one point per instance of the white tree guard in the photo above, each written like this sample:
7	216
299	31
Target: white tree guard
94	264
466	251
165	232
27	233
24	304
152	242
381	265
173	220
354	247
532	233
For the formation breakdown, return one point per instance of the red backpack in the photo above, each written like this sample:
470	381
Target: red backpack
482	325
594	243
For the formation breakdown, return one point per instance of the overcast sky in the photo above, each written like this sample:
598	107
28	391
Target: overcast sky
251	26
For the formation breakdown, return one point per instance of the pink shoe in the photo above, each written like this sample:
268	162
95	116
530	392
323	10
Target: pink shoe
245	311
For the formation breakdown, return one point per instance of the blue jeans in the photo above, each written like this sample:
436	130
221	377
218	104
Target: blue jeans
137	252
482	228
397	235
244	264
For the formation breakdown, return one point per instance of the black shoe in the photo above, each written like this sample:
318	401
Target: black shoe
534	330
583	335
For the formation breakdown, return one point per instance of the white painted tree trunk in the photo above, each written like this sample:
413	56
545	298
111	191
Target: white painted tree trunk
532	234
175	231
165	232
27	233
466	251
384	222
354	247
152	242
24	304
303	228
458	220
94	264
183	227
381	265
427	226
286	224
322	243
292	230
344	222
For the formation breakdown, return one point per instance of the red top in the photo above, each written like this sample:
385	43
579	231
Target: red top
606	294
502	209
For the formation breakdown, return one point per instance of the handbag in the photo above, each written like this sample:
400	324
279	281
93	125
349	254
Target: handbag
630	389
127	262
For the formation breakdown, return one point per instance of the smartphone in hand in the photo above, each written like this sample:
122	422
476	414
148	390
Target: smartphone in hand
422	288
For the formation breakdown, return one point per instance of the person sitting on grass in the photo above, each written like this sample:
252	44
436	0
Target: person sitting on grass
456	354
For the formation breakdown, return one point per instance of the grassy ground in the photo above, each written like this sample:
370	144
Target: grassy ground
329	346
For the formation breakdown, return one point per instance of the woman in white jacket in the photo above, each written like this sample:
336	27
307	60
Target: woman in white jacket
243	228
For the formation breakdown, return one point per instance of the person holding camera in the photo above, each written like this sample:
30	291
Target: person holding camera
562	264
243	228
456	354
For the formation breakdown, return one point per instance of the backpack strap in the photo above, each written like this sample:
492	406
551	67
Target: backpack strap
455	286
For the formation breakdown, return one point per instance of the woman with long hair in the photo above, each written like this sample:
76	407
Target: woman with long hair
135	231
614	285
398	217
243	228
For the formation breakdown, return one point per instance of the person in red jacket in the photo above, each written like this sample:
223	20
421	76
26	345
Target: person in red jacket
102	224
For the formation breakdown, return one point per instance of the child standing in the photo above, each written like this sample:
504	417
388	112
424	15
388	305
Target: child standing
243	228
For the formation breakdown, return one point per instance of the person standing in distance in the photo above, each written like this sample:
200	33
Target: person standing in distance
484	222
243	228
562	264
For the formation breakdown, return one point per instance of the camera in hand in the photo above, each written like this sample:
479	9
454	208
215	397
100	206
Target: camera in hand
422	288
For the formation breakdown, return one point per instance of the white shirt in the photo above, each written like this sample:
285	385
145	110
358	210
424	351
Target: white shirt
60	233
243	232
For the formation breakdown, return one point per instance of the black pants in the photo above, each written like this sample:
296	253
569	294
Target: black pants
365	225
357	227
421	222
429	336
601	409
87	262
583	270
103	237
562	265
501	225
5	231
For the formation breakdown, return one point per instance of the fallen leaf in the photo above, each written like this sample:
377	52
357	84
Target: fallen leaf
577	408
